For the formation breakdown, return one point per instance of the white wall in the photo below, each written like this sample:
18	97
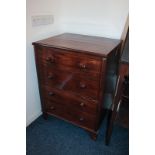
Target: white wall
94	17
37	7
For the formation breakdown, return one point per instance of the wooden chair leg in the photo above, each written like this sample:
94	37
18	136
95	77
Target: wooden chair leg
93	135
111	119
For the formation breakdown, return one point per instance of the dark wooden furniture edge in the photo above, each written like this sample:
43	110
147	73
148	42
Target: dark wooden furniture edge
75	50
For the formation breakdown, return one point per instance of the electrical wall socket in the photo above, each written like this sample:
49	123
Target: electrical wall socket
42	20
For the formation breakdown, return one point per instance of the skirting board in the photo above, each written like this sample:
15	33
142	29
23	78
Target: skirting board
33	118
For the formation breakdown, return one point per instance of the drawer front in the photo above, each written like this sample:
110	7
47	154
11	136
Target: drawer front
69	101
72	61
76	117
84	87
72	82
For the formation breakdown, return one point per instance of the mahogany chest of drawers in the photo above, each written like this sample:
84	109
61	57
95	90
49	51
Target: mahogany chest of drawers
72	71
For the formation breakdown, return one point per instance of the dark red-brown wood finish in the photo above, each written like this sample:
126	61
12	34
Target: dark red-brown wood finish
71	72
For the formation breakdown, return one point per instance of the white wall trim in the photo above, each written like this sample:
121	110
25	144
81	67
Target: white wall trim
33	118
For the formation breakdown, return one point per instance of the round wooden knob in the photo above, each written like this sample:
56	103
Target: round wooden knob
81	119
52	107
50	59
82	66
50	93
81	104
51	76
82	85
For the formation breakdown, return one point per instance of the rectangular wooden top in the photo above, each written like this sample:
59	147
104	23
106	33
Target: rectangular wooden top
90	44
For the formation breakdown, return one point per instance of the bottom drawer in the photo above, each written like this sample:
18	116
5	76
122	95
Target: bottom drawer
78	118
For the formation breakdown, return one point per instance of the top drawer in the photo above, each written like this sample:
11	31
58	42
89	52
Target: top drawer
62	59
